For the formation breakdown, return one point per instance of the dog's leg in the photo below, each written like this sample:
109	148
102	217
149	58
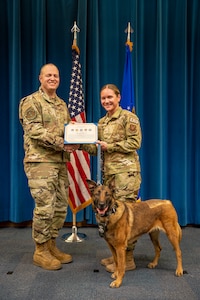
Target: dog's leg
154	235
113	252
174	237
120	267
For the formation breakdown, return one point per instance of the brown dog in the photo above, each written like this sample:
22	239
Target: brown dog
121	223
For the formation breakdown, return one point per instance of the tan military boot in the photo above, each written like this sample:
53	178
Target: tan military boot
61	256
43	258
130	263
107	261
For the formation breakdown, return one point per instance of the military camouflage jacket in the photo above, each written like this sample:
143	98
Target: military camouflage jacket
43	122
122	133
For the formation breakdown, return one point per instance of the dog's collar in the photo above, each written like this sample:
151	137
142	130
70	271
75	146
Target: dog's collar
103	225
112	210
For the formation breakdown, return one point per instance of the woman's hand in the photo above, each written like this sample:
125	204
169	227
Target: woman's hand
103	144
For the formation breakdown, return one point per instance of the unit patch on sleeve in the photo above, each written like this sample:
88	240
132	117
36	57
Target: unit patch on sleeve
132	127
30	113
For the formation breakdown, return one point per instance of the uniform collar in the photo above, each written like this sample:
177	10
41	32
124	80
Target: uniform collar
46	97
115	115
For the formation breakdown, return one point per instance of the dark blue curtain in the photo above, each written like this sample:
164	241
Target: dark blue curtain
166	70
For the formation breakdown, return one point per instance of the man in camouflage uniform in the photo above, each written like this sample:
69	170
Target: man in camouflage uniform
119	135
43	115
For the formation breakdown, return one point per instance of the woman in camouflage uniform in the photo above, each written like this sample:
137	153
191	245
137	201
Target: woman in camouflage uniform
119	135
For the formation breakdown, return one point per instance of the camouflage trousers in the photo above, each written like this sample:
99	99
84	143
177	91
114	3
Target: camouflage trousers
48	183
126	185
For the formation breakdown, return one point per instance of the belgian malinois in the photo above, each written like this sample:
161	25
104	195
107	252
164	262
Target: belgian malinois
121	223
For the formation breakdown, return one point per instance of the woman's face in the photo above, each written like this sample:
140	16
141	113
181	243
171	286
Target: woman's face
109	100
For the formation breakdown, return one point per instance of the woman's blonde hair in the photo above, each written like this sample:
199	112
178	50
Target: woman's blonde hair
111	87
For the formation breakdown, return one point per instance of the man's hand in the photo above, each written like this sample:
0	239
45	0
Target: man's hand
71	147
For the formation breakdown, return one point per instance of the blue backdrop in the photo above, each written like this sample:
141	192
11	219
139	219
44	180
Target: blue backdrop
166	70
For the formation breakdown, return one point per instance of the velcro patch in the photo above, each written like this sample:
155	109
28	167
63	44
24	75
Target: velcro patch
30	113
132	127
133	120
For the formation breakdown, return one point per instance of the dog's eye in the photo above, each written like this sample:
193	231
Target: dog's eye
97	193
107	194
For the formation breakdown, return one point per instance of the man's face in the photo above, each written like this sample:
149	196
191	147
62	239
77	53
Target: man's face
49	78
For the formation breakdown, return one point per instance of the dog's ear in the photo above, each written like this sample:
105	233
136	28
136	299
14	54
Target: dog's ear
91	184
112	185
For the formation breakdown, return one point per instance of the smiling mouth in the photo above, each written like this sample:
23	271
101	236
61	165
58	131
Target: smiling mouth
102	212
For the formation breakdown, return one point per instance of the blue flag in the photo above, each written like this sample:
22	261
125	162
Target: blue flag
127	93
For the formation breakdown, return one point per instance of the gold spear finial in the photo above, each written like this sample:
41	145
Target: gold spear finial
129	30
75	29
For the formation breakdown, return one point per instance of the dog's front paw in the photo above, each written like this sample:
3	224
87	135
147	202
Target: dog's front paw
179	272
115	284
151	265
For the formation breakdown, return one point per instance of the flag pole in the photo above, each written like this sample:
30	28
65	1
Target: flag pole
74	237
75	29
129	30
99	179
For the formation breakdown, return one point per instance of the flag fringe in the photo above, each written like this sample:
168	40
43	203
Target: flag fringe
80	207
130	44
76	48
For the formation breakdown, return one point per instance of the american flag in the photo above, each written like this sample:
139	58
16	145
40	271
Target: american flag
79	165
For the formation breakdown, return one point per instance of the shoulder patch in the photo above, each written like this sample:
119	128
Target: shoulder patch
30	113
132	127
133	120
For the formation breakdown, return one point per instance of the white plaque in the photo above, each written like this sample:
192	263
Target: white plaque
80	133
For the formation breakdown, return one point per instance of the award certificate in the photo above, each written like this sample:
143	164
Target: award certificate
80	133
